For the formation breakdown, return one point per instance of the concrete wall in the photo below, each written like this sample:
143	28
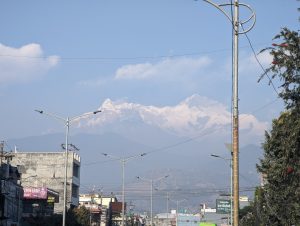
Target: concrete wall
47	169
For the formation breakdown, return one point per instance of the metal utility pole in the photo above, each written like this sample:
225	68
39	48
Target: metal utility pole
66	170
177	208
123	190
234	19
67	122
151	204
167	208
235	118
123	162
151	193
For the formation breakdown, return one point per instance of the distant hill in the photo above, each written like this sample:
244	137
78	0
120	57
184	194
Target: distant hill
193	173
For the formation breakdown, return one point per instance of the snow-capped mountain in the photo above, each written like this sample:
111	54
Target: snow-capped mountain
190	117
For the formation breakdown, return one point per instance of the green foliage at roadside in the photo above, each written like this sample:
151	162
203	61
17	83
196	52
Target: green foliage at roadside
277	203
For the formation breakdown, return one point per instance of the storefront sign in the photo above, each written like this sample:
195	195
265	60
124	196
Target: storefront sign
35	193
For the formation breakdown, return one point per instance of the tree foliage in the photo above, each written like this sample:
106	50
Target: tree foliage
256	213
79	216
75	217
280	168
286	65
279	200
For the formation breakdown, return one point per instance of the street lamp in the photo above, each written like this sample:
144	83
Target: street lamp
236	23
151	184
123	162
168	194
177	208
230	165
67	122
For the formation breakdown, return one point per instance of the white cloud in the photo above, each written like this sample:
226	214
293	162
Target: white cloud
24	63
265	58
250	123
166	68
249	63
188	118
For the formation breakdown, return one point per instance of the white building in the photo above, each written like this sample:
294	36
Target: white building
99	206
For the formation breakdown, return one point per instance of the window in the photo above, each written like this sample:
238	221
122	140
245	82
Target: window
76	169
75	191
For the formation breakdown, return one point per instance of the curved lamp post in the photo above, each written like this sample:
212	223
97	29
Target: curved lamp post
151	201
67	122
123	162
234	20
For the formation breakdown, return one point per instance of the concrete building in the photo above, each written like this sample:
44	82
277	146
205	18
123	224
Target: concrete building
11	194
91	202
101	208
47	170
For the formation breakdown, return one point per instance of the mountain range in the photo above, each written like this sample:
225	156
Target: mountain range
176	141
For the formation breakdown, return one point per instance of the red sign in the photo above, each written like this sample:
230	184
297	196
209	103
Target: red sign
35	193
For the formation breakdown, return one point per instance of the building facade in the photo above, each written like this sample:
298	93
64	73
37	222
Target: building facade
101	208
47	170
11	194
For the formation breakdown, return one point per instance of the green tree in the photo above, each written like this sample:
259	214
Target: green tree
246	216
81	216
280	197
286	66
255	214
280	168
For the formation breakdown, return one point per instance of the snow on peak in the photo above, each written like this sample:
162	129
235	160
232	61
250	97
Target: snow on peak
188	118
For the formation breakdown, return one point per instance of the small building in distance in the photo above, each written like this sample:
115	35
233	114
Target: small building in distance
47	170
102	208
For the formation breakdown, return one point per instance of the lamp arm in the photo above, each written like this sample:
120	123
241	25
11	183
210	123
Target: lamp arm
49	114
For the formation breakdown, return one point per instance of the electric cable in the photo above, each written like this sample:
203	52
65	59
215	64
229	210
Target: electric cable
259	63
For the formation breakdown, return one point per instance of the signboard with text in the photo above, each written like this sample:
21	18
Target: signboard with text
223	206
35	193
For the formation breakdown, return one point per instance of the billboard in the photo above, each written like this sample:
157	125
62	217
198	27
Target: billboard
223	206
35	193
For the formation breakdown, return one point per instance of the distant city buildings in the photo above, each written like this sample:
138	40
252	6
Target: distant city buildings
188	219
104	210
32	184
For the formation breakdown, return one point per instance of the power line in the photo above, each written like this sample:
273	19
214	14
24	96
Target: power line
183	191
121	58
257	60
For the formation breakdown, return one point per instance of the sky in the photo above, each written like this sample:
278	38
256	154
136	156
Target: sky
72	57
164	65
